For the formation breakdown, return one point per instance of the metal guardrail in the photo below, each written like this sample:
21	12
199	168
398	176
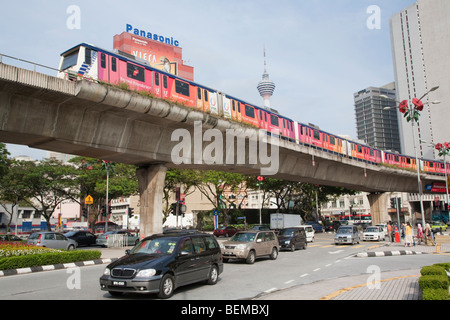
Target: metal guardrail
2	55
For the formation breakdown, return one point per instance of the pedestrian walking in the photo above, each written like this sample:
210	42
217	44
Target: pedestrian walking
389	230
408	235
419	233
428	235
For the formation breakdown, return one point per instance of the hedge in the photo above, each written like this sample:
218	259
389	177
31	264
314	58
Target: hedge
435	282
42	259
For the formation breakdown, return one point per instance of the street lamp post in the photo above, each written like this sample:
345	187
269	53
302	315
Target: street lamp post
412	113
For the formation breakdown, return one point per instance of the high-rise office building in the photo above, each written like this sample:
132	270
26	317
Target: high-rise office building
420	36
376	126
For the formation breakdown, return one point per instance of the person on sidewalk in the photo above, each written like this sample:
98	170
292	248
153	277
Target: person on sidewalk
419	233
408	235
389	230
428	235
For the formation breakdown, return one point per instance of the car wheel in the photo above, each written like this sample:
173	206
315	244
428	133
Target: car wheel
71	247
274	254
213	275
166	287
251	257
292	247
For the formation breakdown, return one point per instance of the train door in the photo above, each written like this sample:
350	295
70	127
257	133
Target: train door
213	102
114	72
103	68
157	90
263	119
203	99
226	105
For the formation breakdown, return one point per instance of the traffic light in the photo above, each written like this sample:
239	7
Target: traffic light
85	212
173	208
130	212
109	210
393	206
103	211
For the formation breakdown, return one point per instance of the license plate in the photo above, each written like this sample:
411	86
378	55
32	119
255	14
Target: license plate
119	283
228	253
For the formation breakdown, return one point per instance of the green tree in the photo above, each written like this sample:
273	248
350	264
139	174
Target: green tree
46	184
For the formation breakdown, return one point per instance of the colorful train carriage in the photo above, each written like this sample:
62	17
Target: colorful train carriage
119	68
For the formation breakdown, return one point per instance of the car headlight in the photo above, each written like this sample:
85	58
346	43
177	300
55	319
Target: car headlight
287	242
240	246
146	273
107	272
222	246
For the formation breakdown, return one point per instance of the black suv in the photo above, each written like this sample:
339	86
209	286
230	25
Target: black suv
292	238
162	262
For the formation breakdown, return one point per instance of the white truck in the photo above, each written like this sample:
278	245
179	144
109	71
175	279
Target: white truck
283	220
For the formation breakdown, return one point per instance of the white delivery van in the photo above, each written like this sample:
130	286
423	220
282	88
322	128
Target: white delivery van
309	231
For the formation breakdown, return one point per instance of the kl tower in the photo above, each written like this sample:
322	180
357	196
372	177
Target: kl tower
266	87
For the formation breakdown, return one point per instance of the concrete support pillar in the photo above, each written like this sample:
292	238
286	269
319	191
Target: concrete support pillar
379	203
151	186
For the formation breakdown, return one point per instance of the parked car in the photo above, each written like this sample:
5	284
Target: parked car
82	237
316	226
10	237
163	262
374	233
292	238
117	238
50	239
309	230
347	234
250	245
225	231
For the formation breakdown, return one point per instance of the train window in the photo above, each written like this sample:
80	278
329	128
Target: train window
205	97
156	79
239	107
260	114
249	112
165	82
274	120
103	60
88	56
316	135
69	61
332	140
360	149
199	93
114	64
135	72
182	88
234	106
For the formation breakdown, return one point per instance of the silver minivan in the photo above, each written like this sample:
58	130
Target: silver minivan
347	234
53	240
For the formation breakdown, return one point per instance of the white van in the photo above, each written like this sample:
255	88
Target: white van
309	231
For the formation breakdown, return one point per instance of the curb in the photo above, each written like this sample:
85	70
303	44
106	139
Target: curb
387	253
12	272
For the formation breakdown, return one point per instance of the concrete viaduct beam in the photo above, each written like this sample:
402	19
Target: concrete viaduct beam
100	121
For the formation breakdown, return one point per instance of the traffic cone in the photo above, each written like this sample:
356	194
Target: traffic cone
397	235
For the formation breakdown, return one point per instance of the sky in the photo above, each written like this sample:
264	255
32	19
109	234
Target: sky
319	52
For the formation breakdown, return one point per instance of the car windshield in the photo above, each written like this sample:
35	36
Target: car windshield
287	232
345	230
372	229
70	233
158	245
244	237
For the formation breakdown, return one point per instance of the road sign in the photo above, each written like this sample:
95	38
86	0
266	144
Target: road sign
216	213
88	200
